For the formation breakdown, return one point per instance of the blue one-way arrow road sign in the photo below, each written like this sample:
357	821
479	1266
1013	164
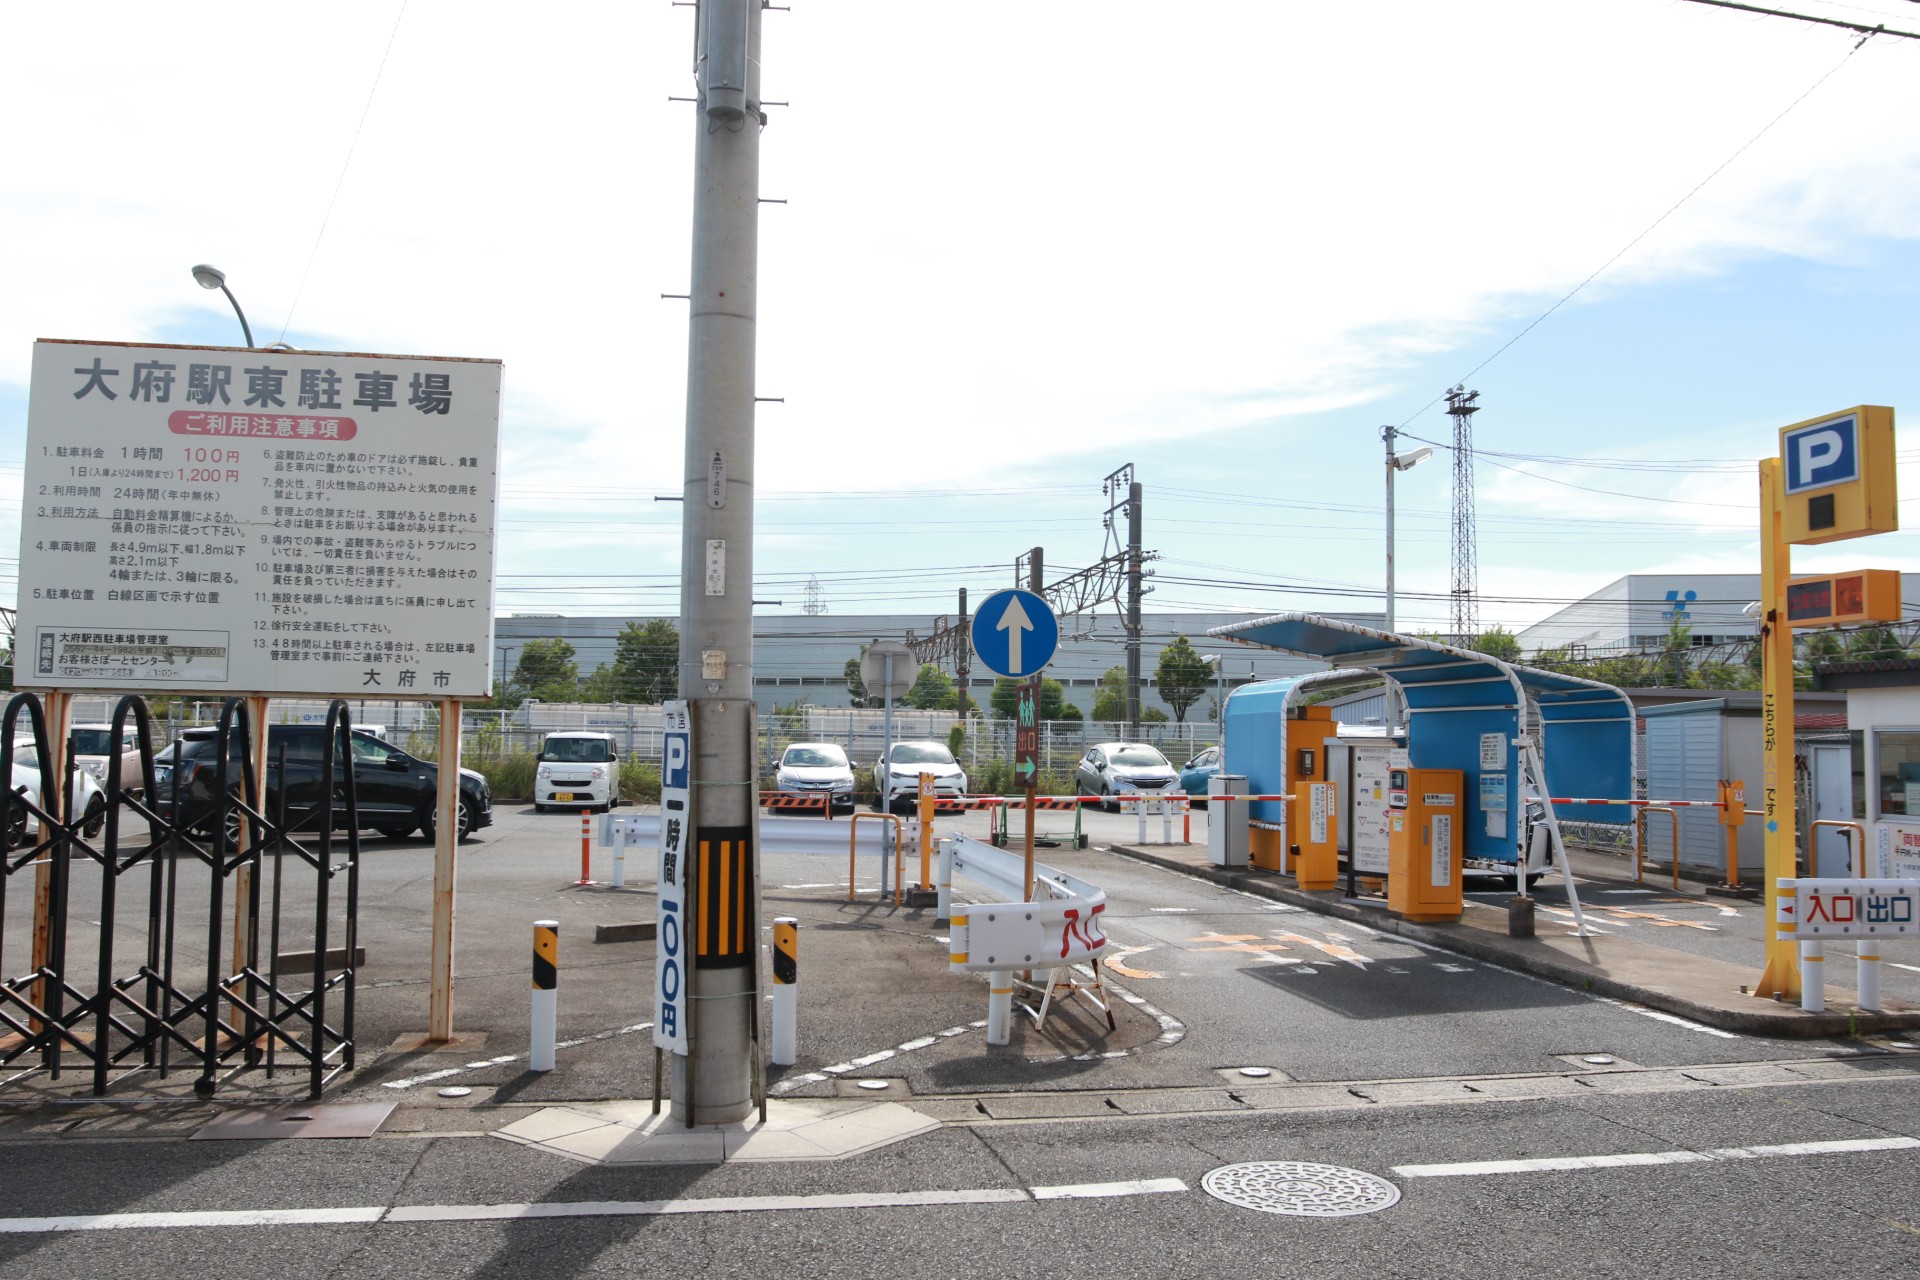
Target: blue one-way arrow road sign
1015	633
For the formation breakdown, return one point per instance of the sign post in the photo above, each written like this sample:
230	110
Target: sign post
1833	479
1015	635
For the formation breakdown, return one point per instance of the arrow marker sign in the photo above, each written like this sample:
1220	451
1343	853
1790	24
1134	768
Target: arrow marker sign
1013	622
1015	633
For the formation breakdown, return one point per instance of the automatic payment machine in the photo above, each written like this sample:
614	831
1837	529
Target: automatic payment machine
1425	840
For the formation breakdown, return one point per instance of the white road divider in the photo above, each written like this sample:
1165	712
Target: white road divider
1057	929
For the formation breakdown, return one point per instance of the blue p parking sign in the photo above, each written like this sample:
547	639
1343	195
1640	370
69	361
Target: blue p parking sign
1821	455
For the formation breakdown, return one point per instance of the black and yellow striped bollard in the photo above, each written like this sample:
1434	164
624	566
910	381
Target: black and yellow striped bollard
786	996
546	993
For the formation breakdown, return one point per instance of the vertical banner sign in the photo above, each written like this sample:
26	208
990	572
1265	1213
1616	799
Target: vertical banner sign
670	995
1442	849
1026	740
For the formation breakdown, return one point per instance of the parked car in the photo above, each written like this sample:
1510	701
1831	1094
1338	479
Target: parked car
85	798
579	769
395	792
1196	773
808	768
92	747
1114	769
896	774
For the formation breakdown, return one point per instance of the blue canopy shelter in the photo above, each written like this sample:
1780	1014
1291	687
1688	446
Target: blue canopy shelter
1471	712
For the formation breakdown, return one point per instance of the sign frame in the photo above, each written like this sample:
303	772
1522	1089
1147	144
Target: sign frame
236	521
673	966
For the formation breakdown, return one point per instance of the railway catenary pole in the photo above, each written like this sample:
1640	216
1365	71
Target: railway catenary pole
713	1082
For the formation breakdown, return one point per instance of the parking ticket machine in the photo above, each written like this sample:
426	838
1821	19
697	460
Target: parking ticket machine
1424	843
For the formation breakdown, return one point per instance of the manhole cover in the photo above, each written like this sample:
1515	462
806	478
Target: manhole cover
1598	1059
1256	1073
457	1091
1301	1189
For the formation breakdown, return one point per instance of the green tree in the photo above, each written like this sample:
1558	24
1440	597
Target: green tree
1152	715
932	690
1110	695
1498	642
547	671
1872	644
1181	677
600	686
646	663
1053	699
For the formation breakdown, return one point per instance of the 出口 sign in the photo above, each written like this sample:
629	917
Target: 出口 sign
1830	908
258	521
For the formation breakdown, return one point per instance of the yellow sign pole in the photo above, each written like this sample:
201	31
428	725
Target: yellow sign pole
1781	977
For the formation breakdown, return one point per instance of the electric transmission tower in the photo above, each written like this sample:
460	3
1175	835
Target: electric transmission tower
816	597
1465	622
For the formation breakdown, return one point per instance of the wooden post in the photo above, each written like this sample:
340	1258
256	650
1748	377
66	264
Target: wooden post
446	839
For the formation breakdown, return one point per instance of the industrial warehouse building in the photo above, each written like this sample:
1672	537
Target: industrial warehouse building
798	656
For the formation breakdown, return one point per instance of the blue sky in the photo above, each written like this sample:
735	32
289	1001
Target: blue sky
1026	244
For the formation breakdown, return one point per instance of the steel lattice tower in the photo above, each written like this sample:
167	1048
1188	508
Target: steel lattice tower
1465	619
816	597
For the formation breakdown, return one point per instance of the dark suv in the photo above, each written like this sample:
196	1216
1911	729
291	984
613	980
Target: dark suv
394	791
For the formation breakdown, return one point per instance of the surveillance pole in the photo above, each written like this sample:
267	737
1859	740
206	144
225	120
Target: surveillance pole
713	1083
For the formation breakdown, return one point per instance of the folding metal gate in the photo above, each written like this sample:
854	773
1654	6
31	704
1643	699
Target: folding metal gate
126	995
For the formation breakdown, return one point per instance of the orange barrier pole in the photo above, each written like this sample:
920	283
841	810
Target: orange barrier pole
586	847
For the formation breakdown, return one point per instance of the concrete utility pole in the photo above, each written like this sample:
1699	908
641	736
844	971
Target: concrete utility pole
1135	571
713	1083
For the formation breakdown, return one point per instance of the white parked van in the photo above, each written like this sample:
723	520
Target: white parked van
578	769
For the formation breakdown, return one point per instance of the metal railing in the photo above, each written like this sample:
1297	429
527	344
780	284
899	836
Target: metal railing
115	989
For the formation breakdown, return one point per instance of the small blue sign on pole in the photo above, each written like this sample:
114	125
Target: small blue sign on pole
1015	633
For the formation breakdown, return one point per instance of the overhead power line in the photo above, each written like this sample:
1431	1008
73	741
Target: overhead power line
1880	29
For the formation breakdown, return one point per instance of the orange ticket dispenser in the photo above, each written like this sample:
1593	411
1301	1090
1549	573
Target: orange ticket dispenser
1425	830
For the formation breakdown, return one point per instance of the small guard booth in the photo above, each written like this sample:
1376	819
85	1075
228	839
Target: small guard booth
1514	734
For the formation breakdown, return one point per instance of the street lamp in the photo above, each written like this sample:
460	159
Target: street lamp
1396	462
214	278
503	650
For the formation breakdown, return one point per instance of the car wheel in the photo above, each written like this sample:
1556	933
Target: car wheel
1107	803
465	824
17	826
538	807
96	816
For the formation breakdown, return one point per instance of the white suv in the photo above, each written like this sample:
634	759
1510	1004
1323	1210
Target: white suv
578	769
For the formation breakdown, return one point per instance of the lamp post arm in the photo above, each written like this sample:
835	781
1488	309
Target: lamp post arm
244	326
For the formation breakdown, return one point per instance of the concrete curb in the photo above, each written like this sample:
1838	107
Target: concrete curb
1786	1022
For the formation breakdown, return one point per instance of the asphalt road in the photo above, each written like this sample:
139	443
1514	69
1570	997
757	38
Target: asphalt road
1450	1080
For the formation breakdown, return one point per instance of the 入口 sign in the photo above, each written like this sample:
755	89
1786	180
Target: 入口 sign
273	522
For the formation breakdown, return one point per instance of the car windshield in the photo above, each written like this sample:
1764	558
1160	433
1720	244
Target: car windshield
91	742
577	750
1140	758
921	753
814	758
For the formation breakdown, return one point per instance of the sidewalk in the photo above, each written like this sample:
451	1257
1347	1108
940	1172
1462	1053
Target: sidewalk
1664	978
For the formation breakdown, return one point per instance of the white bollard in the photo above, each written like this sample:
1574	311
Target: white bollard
943	907
786	994
1813	977
1869	977
1166	820
1140	812
546	993
999	1006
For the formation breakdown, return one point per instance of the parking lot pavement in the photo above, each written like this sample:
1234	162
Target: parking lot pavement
1690	955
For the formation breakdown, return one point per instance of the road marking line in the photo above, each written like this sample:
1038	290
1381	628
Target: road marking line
375	1215
1099	1190
1559	1164
1909	967
854	1064
192	1218
1661	1016
431	1076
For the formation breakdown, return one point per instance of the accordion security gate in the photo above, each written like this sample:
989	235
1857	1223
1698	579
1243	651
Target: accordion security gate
129	958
